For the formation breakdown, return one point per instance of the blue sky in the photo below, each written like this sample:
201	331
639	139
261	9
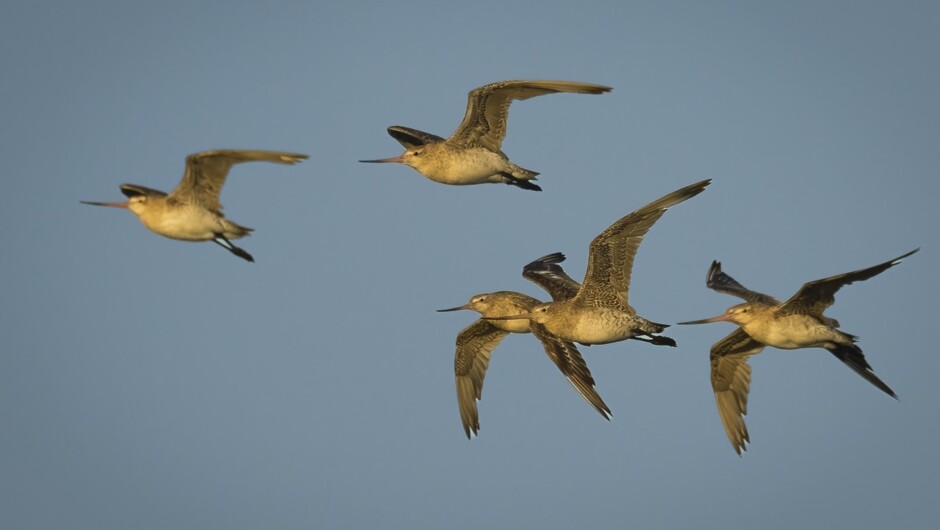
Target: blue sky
149	383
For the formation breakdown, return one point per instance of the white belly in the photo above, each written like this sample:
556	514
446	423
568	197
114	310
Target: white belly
795	332
466	166
597	326
189	224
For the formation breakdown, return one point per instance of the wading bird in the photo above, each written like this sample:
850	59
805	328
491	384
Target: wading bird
600	312
473	154
192	211
477	341
765	321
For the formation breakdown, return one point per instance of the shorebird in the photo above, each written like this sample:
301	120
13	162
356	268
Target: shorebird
600	312
473	154
765	321
192	211
477	341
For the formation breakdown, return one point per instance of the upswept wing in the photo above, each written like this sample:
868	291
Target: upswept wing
206	171
547	274
721	282
474	345
816	296
611	254
484	124
568	359
731	381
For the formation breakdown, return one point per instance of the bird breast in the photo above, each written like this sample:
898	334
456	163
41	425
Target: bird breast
184	222
456	165
597	325
792	332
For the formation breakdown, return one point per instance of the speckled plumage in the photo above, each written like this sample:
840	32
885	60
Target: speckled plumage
473	153
192	211
765	321
476	342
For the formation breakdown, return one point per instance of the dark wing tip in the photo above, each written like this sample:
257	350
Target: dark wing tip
546	262
409	137
898	259
595	89
713	272
133	190
466	430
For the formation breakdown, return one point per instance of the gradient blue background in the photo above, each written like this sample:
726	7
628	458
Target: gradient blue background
148	383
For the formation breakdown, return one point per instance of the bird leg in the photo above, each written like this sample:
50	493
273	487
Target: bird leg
657	340
522	183
227	245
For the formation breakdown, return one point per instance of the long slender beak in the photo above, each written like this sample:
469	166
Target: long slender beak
111	204
511	317
720	318
458	308
395	159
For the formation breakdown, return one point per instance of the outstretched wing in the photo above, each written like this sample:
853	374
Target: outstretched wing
484	124
206	171
731	381
853	357
721	282
547	274
568	359
610	261
816	296
474	346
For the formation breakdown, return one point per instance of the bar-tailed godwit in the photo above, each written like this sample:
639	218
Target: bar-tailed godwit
192	211
765	321
473	154
600	312
476	342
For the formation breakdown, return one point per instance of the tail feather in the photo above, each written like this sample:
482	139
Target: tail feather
852	356
234	230
522	173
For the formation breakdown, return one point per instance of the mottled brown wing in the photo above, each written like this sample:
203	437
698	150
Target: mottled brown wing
816	296
547	274
484	124
474	346
721	282
731	381
611	254
568	359
206	171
